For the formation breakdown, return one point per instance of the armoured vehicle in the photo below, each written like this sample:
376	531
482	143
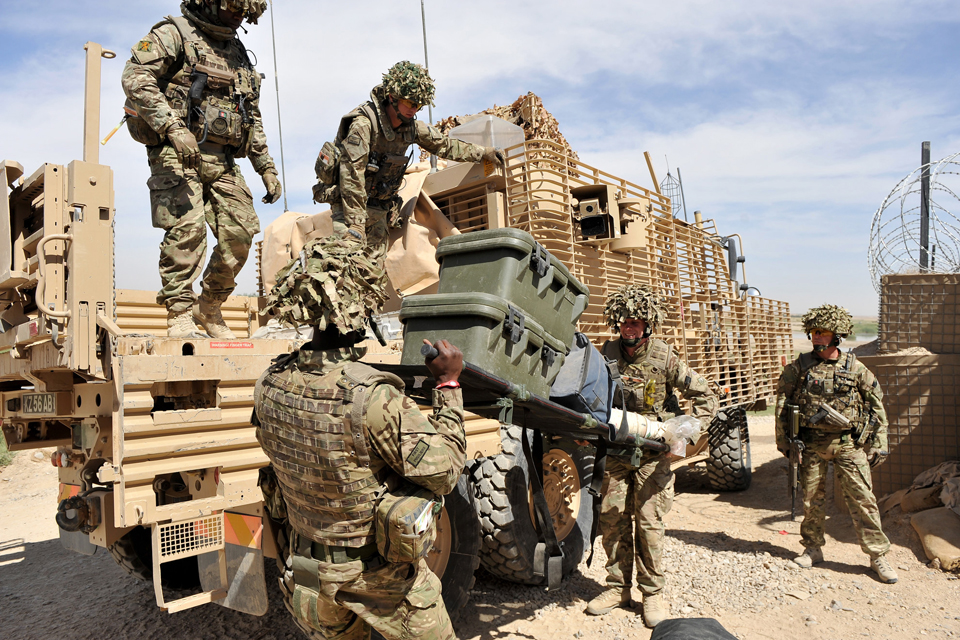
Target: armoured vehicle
157	459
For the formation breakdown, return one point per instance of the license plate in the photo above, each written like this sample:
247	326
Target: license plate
39	403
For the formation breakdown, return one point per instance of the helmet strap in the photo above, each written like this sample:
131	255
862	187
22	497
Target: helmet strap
395	103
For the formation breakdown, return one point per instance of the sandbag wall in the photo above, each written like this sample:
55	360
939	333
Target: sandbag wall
918	366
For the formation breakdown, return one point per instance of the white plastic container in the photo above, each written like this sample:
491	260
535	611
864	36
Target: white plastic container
490	131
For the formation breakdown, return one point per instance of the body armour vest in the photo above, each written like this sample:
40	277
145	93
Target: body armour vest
387	161
645	381
832	382
226	82
314	434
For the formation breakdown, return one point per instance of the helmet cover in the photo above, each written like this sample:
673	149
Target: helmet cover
829	317
410	81
637	301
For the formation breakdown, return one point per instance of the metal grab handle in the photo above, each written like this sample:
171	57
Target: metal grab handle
41	281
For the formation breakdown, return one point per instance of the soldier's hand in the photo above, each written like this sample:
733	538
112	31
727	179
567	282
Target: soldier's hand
448	364
183	142
495	154
272	185
875	457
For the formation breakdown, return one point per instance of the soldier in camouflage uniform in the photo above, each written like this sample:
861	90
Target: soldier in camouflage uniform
638	484
337	432
195	96
828	376
360	173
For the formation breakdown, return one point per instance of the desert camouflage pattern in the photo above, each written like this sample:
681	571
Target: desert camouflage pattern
184	203
829	317
411	81
637	301
853	471
397	602
329	282
346	599
251	9
807	381
845	384
638	484
636	497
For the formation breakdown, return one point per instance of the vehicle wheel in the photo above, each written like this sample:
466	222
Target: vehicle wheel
134	553
504	502
729	466
453	558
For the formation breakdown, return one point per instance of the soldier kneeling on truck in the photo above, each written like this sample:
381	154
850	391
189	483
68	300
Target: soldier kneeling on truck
357	465
837	405
638	483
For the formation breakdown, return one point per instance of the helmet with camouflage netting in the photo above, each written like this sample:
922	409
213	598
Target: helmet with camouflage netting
637	301
410	81
250	9
829	317
328	284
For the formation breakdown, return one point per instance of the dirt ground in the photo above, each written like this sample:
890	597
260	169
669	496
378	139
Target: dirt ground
727	558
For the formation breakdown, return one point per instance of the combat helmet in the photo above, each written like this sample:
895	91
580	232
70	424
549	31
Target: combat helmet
829	317
329	283
410	81
634	301
251	9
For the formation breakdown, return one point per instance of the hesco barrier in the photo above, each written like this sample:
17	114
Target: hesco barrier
919	310
922	405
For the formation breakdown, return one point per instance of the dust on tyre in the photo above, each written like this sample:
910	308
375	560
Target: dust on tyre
729	464
510	536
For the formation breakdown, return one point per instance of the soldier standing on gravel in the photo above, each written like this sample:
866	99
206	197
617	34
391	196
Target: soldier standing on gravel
360	173
638	484
195	96
339	432
829	376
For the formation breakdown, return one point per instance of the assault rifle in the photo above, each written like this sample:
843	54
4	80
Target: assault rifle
831	415
796	455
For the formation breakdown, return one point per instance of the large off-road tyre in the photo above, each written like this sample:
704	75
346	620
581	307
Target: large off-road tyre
134	553
453	558
729	464
504	501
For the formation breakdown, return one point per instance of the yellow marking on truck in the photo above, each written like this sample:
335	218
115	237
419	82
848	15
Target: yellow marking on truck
244	531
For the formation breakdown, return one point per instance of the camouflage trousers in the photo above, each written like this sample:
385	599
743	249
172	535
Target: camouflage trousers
853	471
378	235
399	600
635	500
183	203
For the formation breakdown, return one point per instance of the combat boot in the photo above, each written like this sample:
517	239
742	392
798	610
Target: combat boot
207	314
883	569
180	324
809	557
654	609
609	600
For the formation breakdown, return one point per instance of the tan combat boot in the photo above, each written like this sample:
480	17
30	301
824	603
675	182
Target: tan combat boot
207	314
609	600
809	557
180	324
654	609
883	569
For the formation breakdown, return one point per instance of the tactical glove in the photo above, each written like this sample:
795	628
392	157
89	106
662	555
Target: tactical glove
875	457
272	184
495	154
183	142
355	234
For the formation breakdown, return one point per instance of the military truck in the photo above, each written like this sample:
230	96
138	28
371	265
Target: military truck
157	458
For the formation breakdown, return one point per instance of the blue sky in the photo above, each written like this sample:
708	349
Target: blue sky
791	122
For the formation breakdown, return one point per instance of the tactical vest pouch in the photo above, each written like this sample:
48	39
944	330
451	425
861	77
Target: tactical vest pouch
406	523
220	126
328	163
139	129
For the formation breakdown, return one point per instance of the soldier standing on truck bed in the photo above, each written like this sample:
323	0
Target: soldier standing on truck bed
195	96
854	441
342	438
638	484
361	171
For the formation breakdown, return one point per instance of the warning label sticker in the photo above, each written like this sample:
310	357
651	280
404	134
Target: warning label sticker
231	345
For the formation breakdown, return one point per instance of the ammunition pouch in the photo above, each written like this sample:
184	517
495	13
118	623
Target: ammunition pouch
139	130
386	181
406	522
327	166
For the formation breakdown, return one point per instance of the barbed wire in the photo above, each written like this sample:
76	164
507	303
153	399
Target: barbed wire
895	231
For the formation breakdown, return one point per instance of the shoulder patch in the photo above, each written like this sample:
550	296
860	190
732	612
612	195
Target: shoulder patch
416	456
144	45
